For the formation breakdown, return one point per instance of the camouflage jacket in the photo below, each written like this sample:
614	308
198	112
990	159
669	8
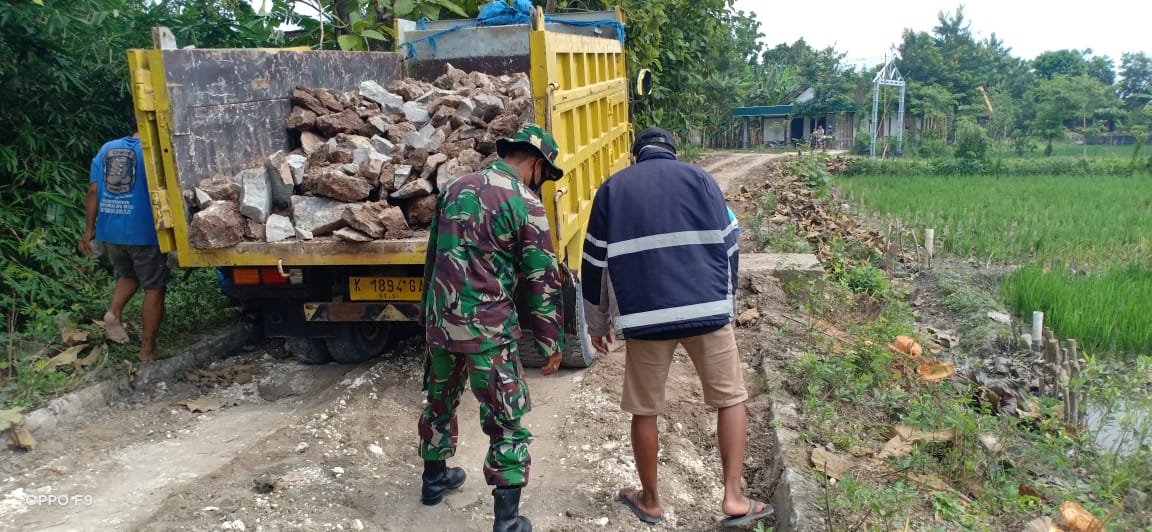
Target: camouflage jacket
489	229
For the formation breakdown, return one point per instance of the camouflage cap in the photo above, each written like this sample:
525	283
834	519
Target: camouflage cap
534	138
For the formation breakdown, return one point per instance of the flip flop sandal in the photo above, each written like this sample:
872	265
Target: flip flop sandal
751	516
631	505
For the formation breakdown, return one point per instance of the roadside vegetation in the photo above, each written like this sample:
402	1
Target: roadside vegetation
978	452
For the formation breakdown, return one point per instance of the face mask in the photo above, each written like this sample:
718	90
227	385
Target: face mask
537	184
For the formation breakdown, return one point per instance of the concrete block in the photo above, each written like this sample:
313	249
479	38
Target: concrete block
280	178
388	102
255	194
279	228
317	215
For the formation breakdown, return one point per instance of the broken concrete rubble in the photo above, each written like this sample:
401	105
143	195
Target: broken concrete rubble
432	164
218	226
400	175
388	102
279	228
382	144
371	159
365	217
296	163
348	234
280	178
395	225
416	113
255	194
316	215
310	141
254	230
413	189
343	187
421	210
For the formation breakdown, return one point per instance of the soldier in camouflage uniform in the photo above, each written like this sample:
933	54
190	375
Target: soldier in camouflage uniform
490	229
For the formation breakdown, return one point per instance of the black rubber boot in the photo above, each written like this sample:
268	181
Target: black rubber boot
506	506
439	478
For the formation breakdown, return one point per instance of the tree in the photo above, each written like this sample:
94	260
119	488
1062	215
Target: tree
1069	99
823	71
699	51
361	24
1052	106
772	84
1091	98
932	102
1069	63
1135	80
65	77
951	59
1102	68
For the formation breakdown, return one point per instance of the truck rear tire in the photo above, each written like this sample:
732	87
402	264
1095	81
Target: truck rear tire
357	342
310	351
578	350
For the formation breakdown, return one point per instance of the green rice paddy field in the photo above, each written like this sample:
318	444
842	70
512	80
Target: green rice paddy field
1083	244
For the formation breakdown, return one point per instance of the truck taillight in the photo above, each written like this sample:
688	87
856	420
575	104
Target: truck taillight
272	276
246	275
250	276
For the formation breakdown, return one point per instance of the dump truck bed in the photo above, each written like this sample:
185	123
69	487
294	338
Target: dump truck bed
209	112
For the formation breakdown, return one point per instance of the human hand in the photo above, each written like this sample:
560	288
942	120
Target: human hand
552	364
600	343
85	244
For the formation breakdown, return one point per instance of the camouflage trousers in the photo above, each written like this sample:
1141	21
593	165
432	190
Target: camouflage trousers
497	380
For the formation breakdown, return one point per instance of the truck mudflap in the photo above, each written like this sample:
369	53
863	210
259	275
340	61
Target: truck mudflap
362	311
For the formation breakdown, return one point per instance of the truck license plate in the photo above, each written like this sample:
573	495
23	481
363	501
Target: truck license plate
385	288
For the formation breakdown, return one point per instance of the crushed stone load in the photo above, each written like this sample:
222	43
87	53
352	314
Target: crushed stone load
369	164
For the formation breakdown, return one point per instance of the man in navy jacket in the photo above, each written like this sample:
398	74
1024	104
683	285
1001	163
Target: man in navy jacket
661	257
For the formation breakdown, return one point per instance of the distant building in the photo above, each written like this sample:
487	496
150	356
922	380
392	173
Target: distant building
778	125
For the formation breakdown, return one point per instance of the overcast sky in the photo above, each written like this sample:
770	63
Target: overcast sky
866	30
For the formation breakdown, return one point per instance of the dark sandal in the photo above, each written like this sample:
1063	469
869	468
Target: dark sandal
631	505
751	516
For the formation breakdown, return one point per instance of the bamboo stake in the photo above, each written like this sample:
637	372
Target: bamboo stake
1077	395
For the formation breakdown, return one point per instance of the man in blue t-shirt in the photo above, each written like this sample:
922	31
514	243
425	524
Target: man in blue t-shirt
118	214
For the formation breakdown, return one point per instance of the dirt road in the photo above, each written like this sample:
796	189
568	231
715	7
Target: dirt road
340	442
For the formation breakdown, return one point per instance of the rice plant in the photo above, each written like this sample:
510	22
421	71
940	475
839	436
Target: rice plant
1084	243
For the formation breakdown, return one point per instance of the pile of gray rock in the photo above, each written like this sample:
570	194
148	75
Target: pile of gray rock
369	162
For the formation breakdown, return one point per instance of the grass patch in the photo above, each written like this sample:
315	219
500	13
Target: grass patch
1109	307
1054	219
1084	242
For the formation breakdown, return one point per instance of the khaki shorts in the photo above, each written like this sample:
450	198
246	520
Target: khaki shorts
717	362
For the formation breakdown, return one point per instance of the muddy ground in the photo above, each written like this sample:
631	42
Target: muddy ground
339	443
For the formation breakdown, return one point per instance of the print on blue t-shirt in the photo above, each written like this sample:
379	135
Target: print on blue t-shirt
125	210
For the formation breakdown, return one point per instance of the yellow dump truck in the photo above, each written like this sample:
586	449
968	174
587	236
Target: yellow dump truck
203	112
